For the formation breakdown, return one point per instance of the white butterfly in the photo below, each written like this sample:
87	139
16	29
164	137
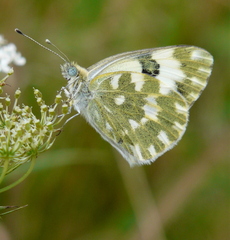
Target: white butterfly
139	101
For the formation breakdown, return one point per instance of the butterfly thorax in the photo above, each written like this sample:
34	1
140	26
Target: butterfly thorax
77	88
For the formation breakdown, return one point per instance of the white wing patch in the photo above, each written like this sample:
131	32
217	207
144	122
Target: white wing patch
164	138
180	108
197	55
177	126
137	150
138	80
151	100
144	120
170	73
119	100
115	80
152	150
134	124
207	71
150	112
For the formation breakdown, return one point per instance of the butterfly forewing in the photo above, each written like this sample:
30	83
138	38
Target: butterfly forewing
137	114
185	69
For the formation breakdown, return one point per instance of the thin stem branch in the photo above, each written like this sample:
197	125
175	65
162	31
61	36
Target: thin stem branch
4	171
20	179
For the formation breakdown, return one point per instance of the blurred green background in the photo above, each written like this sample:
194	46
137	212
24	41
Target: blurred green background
81	188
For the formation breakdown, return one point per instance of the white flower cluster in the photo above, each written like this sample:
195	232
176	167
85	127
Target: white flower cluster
8	55
23	136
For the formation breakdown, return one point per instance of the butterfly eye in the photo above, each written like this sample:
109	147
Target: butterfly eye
72	71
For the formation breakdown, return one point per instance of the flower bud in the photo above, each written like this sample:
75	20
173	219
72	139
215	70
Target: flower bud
58	99
65	108
17	94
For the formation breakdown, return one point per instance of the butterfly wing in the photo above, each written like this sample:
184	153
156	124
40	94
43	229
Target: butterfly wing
185	69
139	115
140	100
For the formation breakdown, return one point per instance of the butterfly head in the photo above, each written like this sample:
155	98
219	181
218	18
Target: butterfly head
72	71
69	71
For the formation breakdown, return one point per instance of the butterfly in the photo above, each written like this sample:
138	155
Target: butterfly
139	101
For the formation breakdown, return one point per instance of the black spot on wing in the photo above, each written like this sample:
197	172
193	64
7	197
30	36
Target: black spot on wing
149	66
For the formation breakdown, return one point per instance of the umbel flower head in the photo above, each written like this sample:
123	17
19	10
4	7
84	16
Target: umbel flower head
8	55
23	136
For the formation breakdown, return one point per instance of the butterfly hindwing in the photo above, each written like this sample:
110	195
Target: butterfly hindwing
137	114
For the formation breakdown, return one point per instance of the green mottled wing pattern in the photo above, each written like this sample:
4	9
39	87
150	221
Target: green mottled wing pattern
135	117
140	100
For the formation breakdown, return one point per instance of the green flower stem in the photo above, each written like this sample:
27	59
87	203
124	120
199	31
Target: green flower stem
4	171
20	179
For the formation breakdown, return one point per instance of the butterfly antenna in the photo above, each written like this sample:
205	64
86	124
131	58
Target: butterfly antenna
49	42
23	34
